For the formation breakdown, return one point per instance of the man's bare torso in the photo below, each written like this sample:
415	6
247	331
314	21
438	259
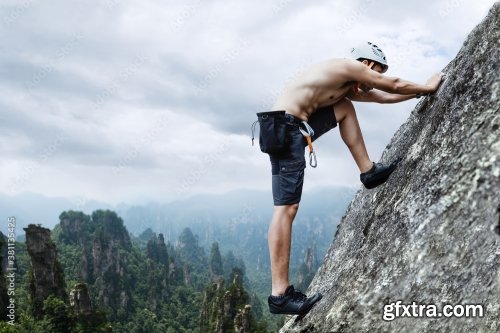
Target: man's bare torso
320	85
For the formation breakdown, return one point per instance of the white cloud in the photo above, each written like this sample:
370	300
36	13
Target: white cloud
154	100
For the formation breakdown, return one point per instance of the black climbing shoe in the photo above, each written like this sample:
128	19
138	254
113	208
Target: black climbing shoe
378	174
292	302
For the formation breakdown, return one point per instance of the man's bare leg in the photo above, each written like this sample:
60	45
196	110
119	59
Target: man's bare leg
279	239
351	134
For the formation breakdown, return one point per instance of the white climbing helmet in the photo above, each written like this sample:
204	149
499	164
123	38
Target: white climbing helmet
372	52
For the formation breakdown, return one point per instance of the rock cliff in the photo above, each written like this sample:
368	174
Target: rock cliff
105	248
46	274
430	234
79	299
225	310
157	250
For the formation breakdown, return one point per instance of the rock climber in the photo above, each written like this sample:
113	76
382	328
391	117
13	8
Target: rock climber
315	102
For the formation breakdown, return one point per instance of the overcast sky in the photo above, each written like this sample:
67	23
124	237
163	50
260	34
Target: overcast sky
131	101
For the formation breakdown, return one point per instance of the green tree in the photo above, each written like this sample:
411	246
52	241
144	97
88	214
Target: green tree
66	234
6	328
146	234
152	249
108	223
58	314
194	260
162	251
27	324
3	289
229	263
157	250
215	262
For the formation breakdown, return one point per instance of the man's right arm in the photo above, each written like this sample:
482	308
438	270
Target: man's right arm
378	96
356	71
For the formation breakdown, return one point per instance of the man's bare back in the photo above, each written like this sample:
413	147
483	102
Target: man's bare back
319	85
331	81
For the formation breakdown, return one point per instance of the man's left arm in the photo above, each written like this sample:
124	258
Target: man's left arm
378	96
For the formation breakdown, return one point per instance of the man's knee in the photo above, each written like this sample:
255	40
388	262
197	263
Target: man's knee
344	109
293	208
288	210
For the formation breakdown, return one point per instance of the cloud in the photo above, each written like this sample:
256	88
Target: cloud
125	100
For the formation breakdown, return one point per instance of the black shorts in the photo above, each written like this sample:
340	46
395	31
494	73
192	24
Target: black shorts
288	168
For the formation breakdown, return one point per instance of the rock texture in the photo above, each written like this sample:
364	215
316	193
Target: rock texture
242	323
158	271
157	250
47	276
430	234
106	249
79	299
225	310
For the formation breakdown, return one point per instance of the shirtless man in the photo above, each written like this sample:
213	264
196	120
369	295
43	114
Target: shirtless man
322	96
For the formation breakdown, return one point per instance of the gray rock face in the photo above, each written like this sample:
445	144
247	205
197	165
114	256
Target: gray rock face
429	235
242	322
47	276
225	310
79	299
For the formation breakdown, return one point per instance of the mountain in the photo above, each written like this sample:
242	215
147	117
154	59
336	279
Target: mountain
110	274
171	218
234	207
89	276
239	221
429	236
34	208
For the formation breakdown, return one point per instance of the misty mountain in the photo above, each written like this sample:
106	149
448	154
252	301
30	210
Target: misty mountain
170	218
34	208
203	213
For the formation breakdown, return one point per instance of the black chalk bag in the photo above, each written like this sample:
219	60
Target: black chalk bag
273	138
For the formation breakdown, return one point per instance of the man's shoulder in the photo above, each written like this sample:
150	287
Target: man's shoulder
340	64
349	63
337	68
342	61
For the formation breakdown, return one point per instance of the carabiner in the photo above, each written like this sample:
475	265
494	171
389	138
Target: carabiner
312	156
307	133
